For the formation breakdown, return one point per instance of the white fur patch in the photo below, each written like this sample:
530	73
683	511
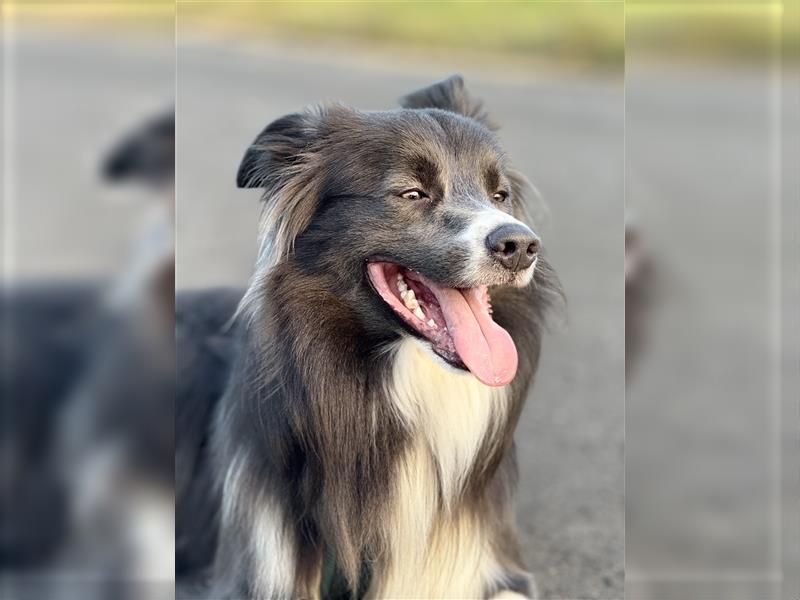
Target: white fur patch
273	553
449	408
434	553
151	530
482	223
271	543
430	553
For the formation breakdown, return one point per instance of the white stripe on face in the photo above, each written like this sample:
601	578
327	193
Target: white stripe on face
474	236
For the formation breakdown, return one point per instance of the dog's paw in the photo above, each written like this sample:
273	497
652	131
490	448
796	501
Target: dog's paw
526	590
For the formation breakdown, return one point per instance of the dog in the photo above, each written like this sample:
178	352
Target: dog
363	445
88	380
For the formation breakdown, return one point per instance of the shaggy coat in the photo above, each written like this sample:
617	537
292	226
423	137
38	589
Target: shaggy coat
351	457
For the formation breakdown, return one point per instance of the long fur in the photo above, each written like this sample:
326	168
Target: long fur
341	437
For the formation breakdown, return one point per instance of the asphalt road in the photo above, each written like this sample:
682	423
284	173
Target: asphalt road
711	413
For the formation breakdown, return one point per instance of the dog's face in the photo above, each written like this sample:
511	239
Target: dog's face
410	212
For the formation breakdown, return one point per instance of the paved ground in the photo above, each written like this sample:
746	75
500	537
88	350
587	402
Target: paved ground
711	412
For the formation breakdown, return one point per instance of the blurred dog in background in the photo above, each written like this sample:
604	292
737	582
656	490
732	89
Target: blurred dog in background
88	400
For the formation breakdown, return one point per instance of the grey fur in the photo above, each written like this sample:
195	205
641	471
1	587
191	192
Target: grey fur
305	421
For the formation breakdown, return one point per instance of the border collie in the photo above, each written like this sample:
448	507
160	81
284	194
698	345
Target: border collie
364	443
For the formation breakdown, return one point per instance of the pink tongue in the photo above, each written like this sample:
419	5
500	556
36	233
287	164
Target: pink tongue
486	348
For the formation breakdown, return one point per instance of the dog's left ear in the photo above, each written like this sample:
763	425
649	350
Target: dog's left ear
449	94
277	148
283	162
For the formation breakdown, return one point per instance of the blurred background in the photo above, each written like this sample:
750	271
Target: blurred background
87	358
712	300
659	446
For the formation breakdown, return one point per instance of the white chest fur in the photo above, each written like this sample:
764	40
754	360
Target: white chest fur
434	548
450	410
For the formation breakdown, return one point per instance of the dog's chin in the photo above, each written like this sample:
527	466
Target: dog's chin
491	276
454	322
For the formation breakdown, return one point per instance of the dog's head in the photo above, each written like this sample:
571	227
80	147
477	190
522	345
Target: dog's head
412	214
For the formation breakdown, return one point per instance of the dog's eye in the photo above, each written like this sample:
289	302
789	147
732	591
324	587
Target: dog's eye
413	194
500	196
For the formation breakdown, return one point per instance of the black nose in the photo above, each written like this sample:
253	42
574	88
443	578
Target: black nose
513	245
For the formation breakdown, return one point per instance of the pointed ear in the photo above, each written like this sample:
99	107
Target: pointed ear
284	161
451	95
276	150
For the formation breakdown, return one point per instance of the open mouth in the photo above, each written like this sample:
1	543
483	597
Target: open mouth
456	321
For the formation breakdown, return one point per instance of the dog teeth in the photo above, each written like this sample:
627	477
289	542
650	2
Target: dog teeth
432	323
410	300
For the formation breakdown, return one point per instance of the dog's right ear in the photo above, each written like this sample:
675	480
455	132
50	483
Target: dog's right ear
449	94
280	146
283	161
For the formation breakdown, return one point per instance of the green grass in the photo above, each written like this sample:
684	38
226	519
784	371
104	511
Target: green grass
590	31
735	29
582	31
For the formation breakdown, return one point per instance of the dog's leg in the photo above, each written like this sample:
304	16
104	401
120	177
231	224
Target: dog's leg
511	580
262	554
268	563
514	585
508	595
